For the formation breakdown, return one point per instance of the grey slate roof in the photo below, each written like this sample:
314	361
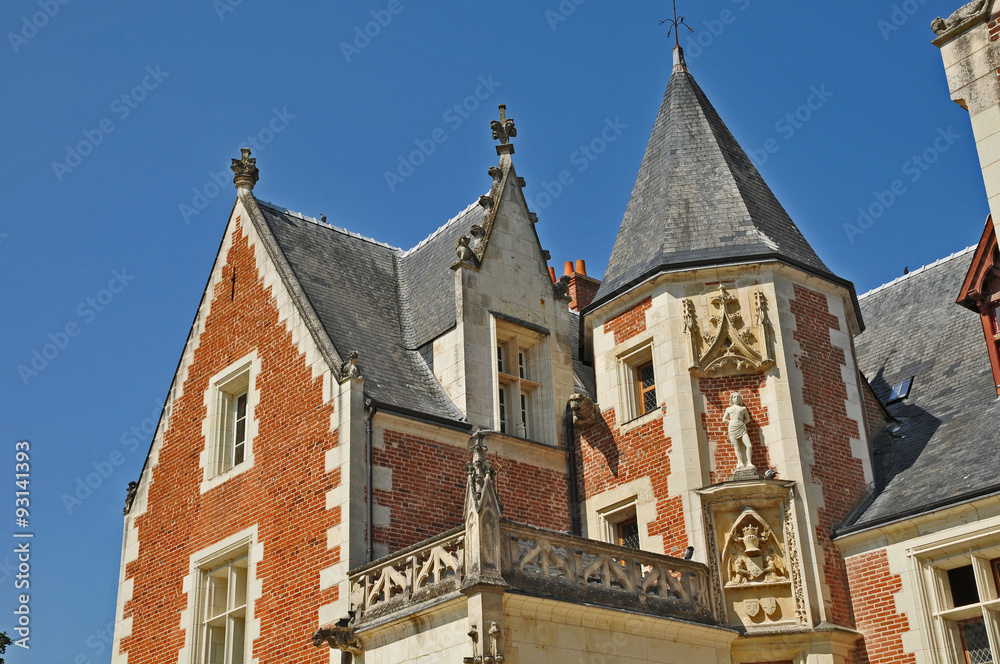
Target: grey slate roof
698	199
946	447
352	284
427	282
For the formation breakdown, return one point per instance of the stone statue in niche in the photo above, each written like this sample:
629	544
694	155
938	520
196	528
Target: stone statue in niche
737	416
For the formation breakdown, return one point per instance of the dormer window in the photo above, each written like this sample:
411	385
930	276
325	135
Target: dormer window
901	390
981	293
521	376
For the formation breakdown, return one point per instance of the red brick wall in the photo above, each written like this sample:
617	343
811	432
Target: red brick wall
840	474
582	289
872	589
428	490
629	323
610	458
717	392
287	479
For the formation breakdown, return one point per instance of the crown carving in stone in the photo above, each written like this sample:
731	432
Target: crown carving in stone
245	169
729	344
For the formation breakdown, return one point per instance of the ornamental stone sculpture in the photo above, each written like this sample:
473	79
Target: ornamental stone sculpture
737	416
245	169
349	369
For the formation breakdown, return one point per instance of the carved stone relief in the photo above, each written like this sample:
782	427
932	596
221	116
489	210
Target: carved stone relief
728	344
753	552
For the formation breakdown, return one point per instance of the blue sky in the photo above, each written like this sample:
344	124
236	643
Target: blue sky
119	119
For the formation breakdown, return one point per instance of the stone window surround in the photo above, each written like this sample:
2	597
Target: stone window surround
606	509
503	330
628	357
246	368
929	565
245	542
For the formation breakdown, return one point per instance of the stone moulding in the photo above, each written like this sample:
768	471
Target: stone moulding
729	344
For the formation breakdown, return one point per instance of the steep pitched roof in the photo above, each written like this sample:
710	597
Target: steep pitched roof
698	200
352	283
945	447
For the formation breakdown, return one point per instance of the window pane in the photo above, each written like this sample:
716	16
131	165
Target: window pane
501	396
976	643
238	627
241	406
628	534
520	365
963	586
646	376
500	359
649	401
216	646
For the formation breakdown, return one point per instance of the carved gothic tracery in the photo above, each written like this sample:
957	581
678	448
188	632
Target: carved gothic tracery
729	344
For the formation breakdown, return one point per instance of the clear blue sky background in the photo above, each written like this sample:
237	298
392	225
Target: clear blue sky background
221	77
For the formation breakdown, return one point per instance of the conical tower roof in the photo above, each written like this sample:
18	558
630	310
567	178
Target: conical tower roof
698	200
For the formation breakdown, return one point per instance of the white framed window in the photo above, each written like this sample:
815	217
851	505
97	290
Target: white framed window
620	524
230	426
223	610
959	583
520	378
637	382
221	590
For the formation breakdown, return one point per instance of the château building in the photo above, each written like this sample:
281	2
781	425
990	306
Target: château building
716	453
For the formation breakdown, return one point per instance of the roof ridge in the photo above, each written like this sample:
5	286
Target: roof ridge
922	268
440	229
324	224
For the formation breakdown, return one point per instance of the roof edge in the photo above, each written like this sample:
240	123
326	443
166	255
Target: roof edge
773	257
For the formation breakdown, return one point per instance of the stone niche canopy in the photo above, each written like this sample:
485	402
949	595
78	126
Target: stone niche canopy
729	333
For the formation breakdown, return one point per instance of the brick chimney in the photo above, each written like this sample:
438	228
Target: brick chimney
581	287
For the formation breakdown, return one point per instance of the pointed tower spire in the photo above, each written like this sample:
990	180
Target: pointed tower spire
698	201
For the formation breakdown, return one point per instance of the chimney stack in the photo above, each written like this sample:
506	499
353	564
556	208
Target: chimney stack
582	288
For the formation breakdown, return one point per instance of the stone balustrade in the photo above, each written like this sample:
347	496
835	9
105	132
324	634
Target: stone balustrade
536	562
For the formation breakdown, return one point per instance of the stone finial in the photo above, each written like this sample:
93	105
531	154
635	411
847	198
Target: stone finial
503	131
246	171
479	470
737	416
349	369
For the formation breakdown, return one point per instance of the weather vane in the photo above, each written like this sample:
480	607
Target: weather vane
675	25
